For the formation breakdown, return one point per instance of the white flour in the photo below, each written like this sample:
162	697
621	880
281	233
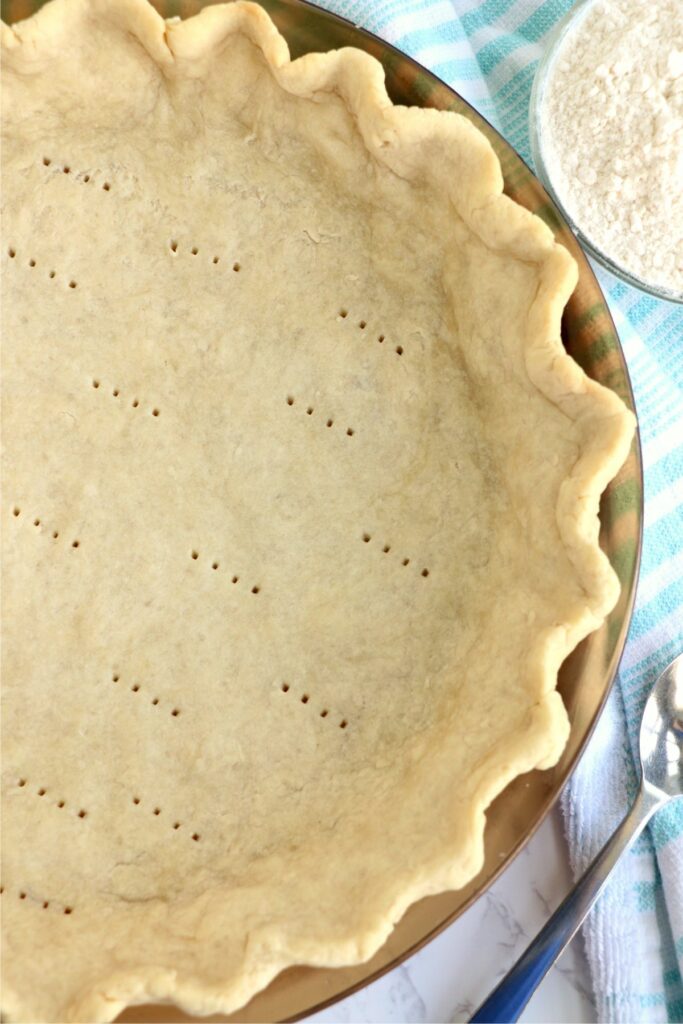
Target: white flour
612	133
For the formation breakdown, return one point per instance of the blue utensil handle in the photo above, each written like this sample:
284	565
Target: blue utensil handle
506	1002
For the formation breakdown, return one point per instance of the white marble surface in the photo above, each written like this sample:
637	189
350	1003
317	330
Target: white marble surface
446	981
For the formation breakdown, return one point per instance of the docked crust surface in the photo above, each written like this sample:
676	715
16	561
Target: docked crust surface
300	506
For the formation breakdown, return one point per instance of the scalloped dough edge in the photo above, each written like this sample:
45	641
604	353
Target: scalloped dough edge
398	137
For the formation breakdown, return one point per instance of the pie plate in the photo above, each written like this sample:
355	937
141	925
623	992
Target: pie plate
585	679
170	552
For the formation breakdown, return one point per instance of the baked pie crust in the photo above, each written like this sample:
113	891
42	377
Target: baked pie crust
300	506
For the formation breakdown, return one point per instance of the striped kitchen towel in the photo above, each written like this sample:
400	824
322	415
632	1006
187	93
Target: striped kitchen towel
488	50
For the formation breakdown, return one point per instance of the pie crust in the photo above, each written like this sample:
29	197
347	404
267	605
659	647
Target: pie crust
299	513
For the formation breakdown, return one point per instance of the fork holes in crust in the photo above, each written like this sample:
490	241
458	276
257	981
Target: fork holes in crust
305	698
386	549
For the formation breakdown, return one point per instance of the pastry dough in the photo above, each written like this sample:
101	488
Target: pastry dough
299	507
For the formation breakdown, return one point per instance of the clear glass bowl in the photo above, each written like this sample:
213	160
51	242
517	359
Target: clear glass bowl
543	74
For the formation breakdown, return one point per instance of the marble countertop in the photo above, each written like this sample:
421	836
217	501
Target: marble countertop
446	980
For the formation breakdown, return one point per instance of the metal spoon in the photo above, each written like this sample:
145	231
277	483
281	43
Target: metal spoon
661	763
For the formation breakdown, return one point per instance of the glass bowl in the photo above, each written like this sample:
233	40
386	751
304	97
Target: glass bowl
570	23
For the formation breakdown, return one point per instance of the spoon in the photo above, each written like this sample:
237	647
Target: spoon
661	780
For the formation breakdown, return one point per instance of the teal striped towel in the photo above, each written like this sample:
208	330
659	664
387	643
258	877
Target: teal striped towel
488	51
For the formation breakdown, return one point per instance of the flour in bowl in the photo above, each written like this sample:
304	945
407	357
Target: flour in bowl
611	124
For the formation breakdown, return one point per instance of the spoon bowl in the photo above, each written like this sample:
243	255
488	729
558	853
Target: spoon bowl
661	733
661	781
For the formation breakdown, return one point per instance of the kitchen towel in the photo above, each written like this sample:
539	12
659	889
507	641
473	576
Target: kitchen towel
488	51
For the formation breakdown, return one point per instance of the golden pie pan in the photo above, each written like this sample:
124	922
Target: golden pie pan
586	676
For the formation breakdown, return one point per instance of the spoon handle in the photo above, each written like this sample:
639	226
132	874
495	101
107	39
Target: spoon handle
507	1001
